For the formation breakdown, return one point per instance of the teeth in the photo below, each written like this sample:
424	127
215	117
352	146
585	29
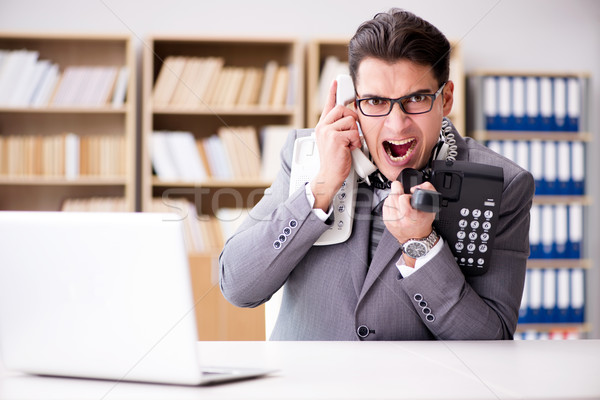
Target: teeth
388	149
400	142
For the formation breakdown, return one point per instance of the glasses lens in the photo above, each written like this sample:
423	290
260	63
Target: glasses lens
375	106
417	104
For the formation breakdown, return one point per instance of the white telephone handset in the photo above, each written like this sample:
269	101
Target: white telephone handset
305	165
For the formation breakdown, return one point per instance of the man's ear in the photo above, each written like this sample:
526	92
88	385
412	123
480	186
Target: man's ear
448	98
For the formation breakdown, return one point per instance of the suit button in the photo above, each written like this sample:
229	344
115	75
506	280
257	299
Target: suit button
277	245
418	297
363	331
293	223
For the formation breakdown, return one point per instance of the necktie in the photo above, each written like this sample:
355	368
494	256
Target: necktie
377	228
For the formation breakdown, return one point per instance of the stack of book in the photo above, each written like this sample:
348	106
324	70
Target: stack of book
97	204
558	167
556	231
332	67
63	155
26	81
553	296
191	82
233	153
532	103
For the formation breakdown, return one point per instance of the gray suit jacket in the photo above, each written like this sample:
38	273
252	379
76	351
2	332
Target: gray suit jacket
331	292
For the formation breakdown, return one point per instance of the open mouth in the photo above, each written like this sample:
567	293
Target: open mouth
399	150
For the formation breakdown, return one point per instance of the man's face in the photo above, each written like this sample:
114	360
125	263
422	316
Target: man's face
400	140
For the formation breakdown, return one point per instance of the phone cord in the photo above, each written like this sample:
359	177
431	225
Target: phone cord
450	141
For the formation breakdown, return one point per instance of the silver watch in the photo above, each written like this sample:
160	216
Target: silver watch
416	248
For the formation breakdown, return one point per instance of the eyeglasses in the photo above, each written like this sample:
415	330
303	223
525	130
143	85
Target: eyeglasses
411	104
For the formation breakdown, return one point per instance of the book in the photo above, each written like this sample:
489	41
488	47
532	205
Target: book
273	138
167	80
120	92
268	82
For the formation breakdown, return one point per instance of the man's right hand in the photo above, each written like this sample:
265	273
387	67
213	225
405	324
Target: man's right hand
336	136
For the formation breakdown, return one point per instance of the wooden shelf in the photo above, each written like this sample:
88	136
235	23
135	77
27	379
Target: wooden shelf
40	192
582	138
483	135
64	110
560	199
212	110
214	183
204	121
556	263
548	327
60	181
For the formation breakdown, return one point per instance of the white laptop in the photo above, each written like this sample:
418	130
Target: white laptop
100	295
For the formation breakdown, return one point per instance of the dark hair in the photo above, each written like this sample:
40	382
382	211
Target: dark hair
399	34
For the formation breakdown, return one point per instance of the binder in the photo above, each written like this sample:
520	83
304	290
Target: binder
550	171
564	179
563	294
532	93
575	219
537	165
578	168
546	106
560	104
490	102
504	103
518	104
524	306
522	155
548	232
549	295
561	228
573	105
535	295
508	150
577	295
535	232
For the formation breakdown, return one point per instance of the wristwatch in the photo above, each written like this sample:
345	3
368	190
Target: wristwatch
416	248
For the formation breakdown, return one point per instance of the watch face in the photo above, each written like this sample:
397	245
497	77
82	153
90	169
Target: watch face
415	249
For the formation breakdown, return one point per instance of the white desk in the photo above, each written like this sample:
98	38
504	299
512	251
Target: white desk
354	370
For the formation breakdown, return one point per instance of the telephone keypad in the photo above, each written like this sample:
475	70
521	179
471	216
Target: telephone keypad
473	235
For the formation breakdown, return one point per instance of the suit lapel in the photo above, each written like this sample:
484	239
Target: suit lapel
387	251
357	246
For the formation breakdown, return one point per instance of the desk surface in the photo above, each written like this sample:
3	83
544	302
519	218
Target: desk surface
360	370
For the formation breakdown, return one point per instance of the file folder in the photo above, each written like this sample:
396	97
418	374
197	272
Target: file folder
573	105
563	294
577	295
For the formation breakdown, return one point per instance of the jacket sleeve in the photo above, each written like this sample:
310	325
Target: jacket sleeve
257	260
486	306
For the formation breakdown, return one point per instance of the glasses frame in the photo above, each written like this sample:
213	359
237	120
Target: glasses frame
433	96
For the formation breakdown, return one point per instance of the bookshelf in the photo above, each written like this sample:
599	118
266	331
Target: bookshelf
203	109
540	120
327	57
187	100
56	147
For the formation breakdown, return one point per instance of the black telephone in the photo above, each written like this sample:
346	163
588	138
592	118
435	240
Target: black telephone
467	202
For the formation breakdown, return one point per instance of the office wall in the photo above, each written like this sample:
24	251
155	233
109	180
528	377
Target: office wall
555	35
